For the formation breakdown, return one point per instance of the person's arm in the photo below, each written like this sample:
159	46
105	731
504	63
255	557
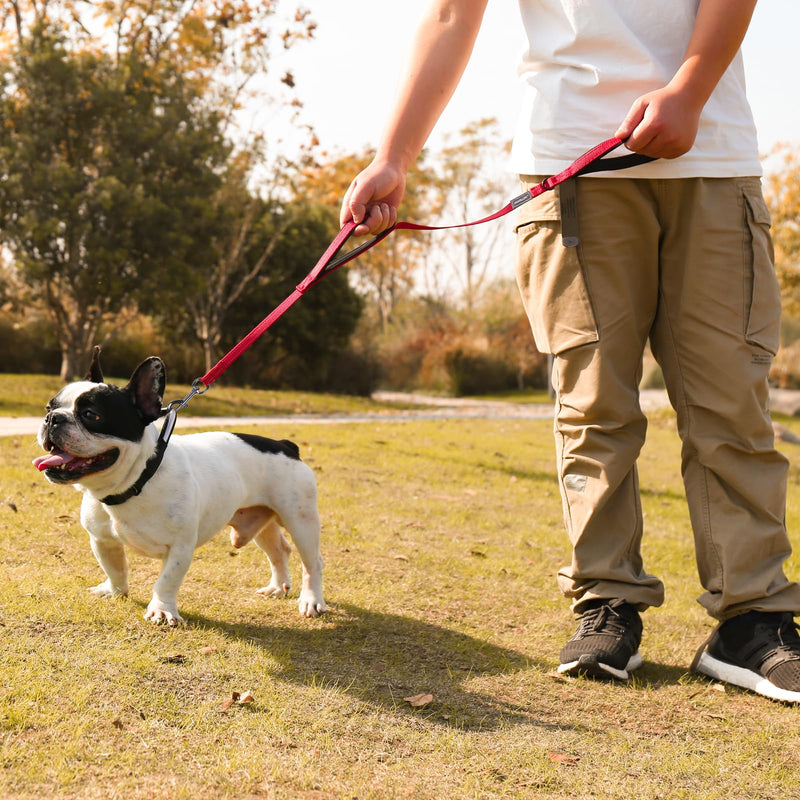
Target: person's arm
664	123
439	55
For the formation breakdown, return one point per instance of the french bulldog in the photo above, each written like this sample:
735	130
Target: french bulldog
100	438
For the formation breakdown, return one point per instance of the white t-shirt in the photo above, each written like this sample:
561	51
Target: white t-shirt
585	63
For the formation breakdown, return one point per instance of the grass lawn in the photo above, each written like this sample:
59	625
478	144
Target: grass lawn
441	542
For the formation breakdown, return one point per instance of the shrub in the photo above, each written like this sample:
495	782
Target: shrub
478	373
28	346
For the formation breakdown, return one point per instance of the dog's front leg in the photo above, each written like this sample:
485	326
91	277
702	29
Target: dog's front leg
110	554
164	605
107	548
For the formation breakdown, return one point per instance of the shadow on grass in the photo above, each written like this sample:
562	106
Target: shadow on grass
652	675
383	658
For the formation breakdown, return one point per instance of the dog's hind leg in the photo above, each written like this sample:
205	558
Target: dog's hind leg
272	541
304	527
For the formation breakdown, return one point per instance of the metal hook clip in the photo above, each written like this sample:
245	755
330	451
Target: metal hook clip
198	387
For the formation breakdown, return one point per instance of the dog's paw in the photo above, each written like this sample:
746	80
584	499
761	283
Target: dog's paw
310	604
276	590
107	589
160	612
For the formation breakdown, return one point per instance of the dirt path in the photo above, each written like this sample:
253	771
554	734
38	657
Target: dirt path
435	408
783	401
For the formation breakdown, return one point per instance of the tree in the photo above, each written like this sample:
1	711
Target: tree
240	238
783	197
103	168
468	188
219	46
122	107
304	348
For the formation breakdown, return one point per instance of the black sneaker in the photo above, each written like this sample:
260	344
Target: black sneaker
606	644
758	651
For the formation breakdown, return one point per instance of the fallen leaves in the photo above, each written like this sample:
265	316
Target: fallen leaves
714	687
237	698
567	759
419	700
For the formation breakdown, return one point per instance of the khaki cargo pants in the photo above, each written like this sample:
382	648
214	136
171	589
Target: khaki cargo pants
686	263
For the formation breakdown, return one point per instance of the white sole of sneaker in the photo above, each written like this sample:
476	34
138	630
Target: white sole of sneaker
744	678
597	668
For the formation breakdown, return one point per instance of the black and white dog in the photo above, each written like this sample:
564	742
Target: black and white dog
100	438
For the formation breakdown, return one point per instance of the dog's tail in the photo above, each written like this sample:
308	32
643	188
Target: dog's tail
293	451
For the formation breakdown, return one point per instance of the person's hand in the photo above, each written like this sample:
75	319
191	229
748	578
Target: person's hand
661	124
373	198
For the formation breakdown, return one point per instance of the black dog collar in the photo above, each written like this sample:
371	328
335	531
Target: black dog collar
153	463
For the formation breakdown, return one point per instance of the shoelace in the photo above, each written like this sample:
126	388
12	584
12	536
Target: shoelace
789	642
604	618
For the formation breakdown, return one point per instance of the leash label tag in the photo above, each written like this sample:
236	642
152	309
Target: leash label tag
521	199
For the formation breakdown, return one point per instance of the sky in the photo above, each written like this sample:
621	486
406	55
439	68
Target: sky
347	76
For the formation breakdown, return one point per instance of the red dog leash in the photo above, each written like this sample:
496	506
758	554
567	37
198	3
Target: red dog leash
591	161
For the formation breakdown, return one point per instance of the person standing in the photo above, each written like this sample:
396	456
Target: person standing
677	252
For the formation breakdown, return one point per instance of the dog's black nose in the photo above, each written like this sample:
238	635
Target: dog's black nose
55	418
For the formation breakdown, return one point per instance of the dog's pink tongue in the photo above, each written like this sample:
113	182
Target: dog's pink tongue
54	459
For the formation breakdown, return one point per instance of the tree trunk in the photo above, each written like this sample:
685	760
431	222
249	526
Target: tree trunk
72	361
208	353
76	340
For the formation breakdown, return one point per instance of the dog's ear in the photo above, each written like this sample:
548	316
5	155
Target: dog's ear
147	385
95	373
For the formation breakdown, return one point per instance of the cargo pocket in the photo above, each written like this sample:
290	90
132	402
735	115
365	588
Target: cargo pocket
762	296
551	278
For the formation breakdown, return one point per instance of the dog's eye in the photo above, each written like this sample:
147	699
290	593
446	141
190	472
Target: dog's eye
90	416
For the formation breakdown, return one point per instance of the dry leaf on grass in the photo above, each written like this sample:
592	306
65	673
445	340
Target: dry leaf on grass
240	698
419	700
176	658
208	649
714	687
564	758
400	557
